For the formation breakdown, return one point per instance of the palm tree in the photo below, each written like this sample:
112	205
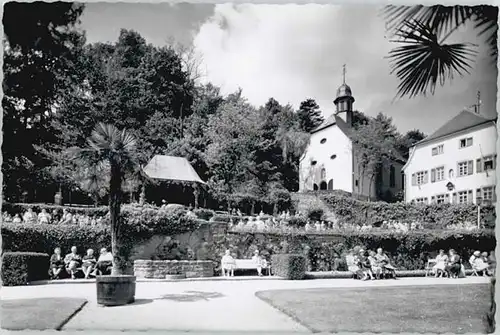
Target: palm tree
116	148
425	59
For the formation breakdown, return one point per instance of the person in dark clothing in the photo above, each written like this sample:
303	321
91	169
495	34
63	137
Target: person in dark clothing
455	265
56	264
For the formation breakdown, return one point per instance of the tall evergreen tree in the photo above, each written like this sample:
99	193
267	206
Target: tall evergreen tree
309	115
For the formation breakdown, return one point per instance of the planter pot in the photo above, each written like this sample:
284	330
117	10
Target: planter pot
175	277
115	290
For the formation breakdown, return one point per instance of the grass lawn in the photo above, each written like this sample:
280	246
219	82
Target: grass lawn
38	314
422	309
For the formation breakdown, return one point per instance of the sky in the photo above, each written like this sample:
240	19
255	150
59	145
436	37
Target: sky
295	52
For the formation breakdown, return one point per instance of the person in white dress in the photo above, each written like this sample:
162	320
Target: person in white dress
478	264
259	262
439	268
228	264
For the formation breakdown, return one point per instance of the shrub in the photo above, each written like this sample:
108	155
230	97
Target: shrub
204	214
352	211
295	221
289	266
20	268
315	214
21	208
225	218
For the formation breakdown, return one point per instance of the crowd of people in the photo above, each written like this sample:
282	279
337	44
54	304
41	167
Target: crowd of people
67	216
365	264
74	265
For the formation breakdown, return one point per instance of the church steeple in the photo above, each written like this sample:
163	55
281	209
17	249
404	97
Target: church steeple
344	99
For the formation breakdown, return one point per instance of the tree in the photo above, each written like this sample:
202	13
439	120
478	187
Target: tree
309	115
425	59
405	142
109	146
41	46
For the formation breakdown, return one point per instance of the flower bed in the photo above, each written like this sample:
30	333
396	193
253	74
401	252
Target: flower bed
161	269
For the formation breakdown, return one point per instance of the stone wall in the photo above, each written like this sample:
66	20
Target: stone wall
159	269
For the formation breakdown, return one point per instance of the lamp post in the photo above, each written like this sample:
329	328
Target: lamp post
478	200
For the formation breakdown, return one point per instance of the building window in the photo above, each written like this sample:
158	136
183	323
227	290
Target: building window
356	182
330	184
392	176
323	186
487	163
314	162
440	199
437	174
438	150
465	168
333	156
323	174
323	140
465	142
421	200
464	197
419	178
488	193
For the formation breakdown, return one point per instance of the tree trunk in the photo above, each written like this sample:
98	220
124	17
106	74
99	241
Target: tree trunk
196	193
370	187
115	185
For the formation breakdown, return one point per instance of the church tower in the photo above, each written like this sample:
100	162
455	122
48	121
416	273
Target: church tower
344	100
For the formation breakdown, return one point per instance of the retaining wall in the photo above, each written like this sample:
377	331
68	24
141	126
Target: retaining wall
159	269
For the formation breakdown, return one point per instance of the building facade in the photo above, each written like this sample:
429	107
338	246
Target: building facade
330	162
456	164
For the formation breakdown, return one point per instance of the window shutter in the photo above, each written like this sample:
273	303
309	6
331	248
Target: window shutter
470	168
413	179
454	199
426	177
447	198
479	165
469	197
433	175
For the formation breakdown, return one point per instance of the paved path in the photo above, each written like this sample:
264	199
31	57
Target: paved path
200	306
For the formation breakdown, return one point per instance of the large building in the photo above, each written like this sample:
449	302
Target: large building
456	164
330	162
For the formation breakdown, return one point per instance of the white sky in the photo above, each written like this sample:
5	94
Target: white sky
294	52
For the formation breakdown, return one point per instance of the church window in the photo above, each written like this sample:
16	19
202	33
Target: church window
356	182
333	156
323	140
315	187
330	184
314	162
323	186
323	173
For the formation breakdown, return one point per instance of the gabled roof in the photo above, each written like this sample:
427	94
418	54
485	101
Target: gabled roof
464	120
171	168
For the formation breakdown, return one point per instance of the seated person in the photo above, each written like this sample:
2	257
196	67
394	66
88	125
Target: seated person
44	217
88	263
66	217
259	262
478	263
56	264
454	265
7	217
73	261
439	268
387	268
56	217
365	265
104	263
17	218
376	266
227	264
30	216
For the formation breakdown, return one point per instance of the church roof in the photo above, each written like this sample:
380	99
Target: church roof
464	120
171	168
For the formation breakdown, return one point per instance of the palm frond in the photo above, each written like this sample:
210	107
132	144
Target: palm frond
440	19
486	19
422	61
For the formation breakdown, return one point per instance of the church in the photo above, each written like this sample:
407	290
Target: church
330	162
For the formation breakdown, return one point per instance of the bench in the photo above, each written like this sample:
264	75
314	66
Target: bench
249	264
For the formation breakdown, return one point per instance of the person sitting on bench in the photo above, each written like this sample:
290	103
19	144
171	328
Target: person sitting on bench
228	264
89	263
73	262
455	265
104	263
56	264
259	262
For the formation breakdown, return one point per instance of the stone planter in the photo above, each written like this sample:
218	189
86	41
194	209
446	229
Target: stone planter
115	290
176	276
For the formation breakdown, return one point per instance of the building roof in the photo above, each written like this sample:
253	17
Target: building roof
464	120
171	168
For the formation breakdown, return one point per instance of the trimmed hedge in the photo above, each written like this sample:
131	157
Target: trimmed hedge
20	268
289	266
350	210
20	208
204	214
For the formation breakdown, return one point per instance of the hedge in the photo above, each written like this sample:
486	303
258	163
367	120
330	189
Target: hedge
350	210
139	223
20	268
289	266
326	252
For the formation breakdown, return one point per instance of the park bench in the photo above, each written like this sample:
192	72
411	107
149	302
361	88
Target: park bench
249	264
